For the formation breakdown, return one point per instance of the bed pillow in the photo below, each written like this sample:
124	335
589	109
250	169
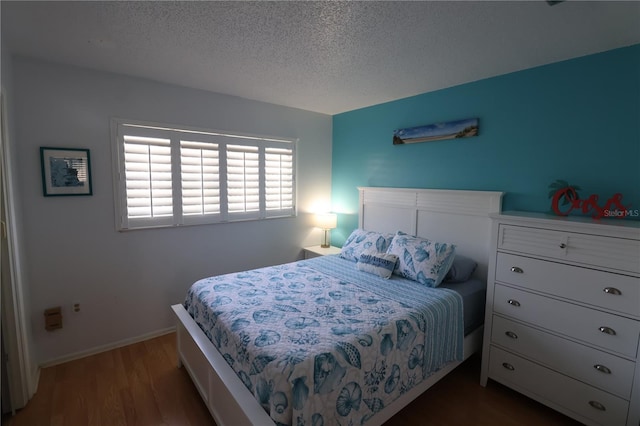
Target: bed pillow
420	259
380	264
361	240
461	269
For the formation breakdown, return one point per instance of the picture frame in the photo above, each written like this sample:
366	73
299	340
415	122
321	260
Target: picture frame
65	171
436	132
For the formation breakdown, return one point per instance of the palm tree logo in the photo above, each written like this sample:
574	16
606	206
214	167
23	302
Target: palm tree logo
562	192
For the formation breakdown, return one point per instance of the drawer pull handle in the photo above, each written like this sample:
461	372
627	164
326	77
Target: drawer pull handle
607	330
516	303
602	369
563	245
516	270
511	334
597	405
612	290
508	366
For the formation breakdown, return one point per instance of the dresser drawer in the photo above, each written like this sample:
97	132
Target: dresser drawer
618	334
556	389
590	250
620	293
600	369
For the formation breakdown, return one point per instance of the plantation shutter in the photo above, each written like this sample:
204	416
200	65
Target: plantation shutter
172	177
243	181
279	181
147	167
200	176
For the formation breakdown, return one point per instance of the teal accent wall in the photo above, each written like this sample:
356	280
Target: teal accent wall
576	120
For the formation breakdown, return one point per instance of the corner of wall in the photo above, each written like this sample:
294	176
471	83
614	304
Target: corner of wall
30	371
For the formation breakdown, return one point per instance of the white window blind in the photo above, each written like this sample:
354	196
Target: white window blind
243	179
171	177
148	177
278	179
200	178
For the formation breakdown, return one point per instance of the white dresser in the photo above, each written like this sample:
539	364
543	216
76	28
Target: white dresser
562	321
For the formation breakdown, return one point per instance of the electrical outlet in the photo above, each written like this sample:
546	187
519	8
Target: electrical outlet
76	307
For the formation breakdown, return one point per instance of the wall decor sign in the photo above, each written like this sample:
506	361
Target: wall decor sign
565	199
65	171
437	132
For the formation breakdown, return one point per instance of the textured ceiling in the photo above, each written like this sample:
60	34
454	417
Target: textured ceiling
328	57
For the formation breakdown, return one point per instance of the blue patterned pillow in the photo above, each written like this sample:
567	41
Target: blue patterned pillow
381	264
361	240
420	259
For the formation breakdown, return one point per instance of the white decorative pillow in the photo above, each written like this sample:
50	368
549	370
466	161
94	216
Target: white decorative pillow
380	264
420	259
361	240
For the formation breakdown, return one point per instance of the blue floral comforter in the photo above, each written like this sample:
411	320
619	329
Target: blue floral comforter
319	342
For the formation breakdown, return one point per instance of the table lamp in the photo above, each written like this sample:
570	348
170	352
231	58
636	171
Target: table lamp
326	222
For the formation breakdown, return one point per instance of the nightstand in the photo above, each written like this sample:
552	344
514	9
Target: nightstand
315	251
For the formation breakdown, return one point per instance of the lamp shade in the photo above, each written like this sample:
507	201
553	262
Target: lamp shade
326	220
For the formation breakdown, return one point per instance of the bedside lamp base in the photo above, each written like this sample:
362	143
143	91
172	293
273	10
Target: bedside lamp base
325	239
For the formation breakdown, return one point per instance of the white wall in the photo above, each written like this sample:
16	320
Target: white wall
125	281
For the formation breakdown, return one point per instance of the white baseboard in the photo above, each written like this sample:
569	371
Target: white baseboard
107	347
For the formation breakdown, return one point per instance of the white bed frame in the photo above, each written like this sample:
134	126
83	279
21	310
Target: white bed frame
458	217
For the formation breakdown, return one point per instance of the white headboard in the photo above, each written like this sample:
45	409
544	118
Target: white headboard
451	216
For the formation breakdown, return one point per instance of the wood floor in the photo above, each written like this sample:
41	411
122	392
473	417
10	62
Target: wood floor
140	385
134	385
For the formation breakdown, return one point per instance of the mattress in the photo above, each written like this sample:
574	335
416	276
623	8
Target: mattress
473	294
319	342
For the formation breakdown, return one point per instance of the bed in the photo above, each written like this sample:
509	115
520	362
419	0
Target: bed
313	342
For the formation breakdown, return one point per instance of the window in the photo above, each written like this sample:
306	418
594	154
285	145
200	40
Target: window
172	177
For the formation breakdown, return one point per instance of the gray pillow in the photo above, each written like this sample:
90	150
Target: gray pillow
460	270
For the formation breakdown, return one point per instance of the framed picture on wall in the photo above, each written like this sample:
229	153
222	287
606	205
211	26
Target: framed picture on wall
65	171
437	132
